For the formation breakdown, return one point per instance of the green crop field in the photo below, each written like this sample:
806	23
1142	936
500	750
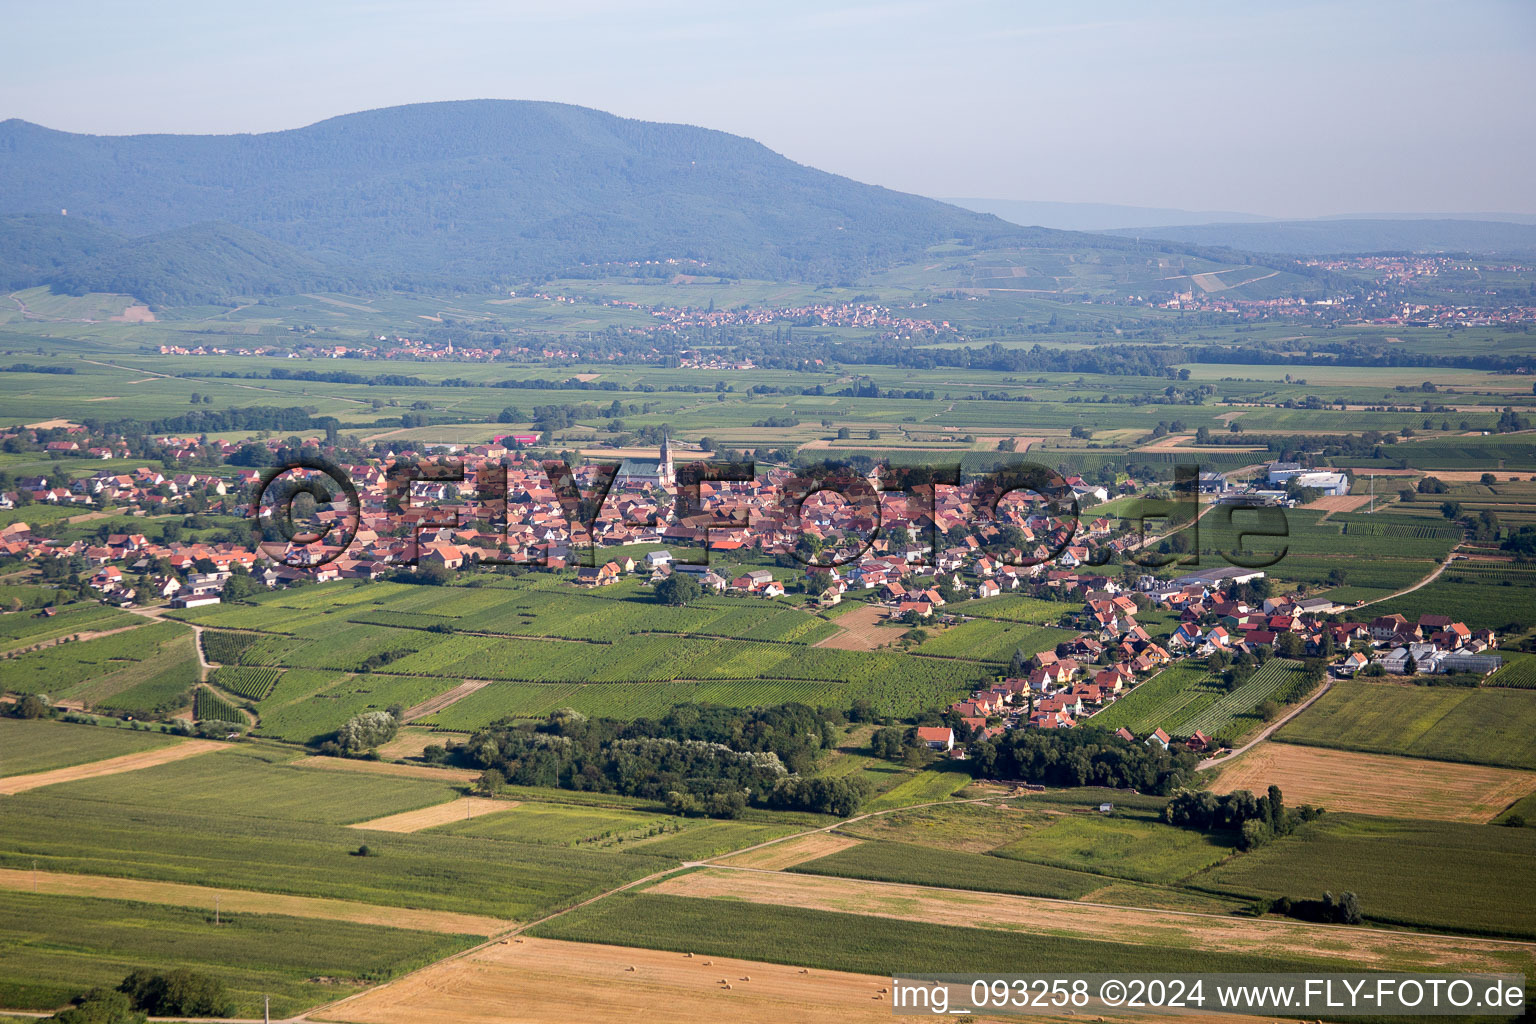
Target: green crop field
974	828
547	645
850	942
40	746
1138	848
1061	829
593	828
306	705
988	640
1505	606
25	628
1162	700
925	865
262	783
59	946
1367	856
1518	672
1184	698
1478	726
107	665
98	835
209	706
225	647
245	681
1011	608
922	787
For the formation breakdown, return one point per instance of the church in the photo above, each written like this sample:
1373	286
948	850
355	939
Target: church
648	472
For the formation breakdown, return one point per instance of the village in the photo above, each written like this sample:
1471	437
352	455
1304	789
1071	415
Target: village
818	553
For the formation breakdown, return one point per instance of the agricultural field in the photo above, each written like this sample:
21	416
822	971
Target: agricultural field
967	827
137	670
225	647
1010	608
248	682
847	942
1184	698
308	704
1506	605
268	784
927	786
209	706
988	640
882	861
21	628
1398	787
545	645
541	979
59	946
43	746
1137	848
1366	855
96	834
1375	948
1132	843
1472	725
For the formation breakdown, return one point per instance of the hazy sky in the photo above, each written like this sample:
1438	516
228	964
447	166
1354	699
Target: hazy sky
1287	109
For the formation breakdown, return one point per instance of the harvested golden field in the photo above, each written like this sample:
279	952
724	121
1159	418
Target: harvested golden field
1370	948
410	741
244	901
862	630
462	809
110	766
789	852
1402	787
541	980
409	771
1339	502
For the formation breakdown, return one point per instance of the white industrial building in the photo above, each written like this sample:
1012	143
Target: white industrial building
1331	484
1328	482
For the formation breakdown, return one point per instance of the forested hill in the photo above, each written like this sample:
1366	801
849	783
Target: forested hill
466	194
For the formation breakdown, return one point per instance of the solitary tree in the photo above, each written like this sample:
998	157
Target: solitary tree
678	589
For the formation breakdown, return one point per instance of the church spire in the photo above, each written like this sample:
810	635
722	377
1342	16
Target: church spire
665	469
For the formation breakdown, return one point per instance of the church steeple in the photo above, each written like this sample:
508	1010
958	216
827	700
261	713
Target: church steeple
664	471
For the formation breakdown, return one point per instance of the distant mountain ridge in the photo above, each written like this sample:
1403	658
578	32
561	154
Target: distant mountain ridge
1352	231
1095	216
1347	237
463	194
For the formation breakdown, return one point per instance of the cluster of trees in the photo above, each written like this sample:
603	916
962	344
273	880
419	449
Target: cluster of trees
1522	542
697	759
1085	756
678	589
256	417
1256	820
363	732
32	705
174	993
1341	909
